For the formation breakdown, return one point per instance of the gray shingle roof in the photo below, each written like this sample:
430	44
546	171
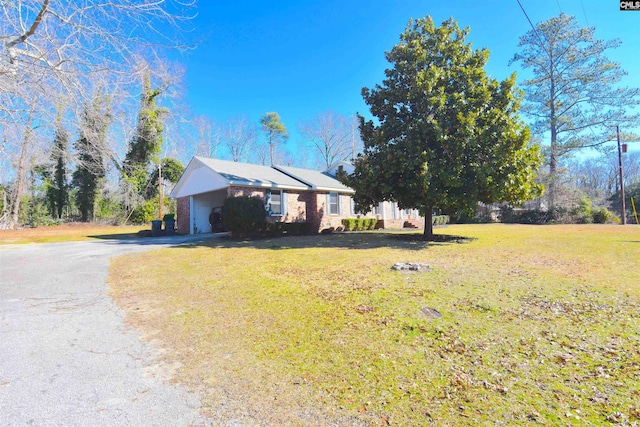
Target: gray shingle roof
252	175
315	179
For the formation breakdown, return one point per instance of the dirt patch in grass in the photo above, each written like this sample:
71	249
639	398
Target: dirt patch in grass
320	330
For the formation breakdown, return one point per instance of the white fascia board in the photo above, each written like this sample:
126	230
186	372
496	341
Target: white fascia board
262	184
335	190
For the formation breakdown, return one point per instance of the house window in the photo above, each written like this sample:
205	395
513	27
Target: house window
334	204
274	202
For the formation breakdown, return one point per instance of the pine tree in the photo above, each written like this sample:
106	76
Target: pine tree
575	95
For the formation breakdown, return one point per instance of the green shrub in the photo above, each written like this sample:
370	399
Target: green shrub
582	213
244	216
533	216
372	223
559	215
145	212
359	224
349	224
603	216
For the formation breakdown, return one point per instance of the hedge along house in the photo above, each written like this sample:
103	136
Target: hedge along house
290	194
389	215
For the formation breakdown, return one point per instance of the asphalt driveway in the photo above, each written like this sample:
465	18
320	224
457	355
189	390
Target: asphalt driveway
66	356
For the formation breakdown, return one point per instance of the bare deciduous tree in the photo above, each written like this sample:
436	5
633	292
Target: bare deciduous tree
334	136
239	137
69	48
209	136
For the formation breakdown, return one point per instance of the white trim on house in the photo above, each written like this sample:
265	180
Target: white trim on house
192	220
203	175
316	180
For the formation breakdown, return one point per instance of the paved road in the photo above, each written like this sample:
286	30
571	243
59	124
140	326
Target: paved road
66	357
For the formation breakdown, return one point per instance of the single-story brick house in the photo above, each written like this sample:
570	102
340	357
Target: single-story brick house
290	194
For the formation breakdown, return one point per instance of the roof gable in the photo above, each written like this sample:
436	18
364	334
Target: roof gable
197	178
315	180
203	175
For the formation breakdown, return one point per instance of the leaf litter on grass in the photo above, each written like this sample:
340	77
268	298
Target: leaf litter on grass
307	332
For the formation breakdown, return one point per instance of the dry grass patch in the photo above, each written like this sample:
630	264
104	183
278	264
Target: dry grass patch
66	233
539	325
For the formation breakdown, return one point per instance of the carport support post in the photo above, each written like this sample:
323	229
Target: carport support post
192	216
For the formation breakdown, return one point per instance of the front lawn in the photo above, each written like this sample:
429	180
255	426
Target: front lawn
68	233
540	325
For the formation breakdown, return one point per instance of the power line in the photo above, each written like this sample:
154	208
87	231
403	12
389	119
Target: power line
584	12
532	26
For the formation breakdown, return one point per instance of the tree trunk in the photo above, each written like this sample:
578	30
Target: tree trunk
428	223
553	155
21	175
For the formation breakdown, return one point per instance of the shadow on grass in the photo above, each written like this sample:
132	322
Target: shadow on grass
372	240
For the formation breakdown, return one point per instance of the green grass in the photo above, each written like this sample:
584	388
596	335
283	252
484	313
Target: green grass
540	325
67	233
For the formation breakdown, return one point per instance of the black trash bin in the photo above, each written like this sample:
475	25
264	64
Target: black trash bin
170	227
156	228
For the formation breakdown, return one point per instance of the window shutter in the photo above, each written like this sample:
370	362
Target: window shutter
327	209
283	203
268	202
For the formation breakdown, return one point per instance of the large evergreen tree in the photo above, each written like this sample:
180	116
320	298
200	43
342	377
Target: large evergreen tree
574	94
448	135
58	193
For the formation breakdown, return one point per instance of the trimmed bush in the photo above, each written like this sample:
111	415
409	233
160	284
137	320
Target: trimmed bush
359	224
349	224
244	216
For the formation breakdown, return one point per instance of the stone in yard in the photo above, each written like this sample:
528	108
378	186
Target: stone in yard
431	313
410	266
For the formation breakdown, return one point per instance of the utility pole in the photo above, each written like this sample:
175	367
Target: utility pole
622	207
160	195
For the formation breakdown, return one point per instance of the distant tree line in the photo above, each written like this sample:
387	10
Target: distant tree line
90	134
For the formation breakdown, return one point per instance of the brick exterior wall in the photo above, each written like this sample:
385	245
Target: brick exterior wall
183	215
297	203
321	217
303	206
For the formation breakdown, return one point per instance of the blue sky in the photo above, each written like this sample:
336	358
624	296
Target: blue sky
301	58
